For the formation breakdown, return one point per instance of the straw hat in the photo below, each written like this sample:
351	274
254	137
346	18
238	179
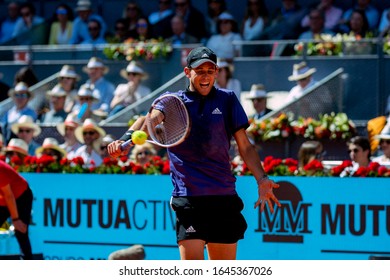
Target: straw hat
68	71
257	91
88	91
133	67
222	63
301	71
95	62
83	5
71	120
50	143
89	124
383	135
20	87
26	121
17	145
57	91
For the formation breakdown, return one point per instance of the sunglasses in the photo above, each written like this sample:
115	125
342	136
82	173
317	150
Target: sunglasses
103	147
385	141
24	130
90	133
85	98
353	150
93	28
146	153
144	25
21	95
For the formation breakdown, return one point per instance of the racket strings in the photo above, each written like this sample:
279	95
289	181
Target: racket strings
175	124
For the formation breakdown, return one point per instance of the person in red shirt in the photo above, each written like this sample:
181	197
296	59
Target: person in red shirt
16	202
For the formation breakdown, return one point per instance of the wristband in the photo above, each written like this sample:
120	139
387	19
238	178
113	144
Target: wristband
265	177
16	219
127	135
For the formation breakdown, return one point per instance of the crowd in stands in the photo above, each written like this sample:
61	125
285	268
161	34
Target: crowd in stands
181	23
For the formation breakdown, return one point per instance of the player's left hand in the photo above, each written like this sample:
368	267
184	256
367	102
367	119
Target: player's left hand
266	194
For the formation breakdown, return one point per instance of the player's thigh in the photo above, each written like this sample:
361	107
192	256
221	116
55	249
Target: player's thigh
191	249
220	251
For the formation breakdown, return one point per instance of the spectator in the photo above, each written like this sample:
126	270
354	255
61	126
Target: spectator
50	147
302	75
80	30
222	43
28	19
103	145
195	21
180	36
133	90
255	19
309	151
4	89
16	148
131	14
285	22
104	89
121	31
57	112
143	29
96	35
164	11
258	96
143	154
317	26
214	9
26	129
358	24
9	22
61	27
369	10
90	134
225	78
384	144
68	78
360	154
28	76
332	15
384	24
20	96
86	95
160	20
67	130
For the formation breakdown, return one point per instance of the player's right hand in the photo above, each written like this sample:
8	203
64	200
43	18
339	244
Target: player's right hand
115	150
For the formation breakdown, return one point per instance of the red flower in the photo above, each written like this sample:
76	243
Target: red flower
45	160
382	170
15	160
78	160
361	172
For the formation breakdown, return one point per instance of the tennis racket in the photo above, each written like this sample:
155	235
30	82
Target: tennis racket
175	126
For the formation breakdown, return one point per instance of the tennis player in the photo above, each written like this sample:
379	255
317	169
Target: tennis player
204	197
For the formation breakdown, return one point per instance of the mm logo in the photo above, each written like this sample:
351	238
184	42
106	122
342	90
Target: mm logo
289	222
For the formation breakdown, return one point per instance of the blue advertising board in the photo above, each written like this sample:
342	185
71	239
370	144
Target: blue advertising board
87	216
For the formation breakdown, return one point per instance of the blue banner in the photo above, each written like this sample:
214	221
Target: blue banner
88	216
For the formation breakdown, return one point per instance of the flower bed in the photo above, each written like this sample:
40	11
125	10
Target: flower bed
315	168
138	50
329	126
337	45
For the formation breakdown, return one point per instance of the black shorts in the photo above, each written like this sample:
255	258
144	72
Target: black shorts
214	219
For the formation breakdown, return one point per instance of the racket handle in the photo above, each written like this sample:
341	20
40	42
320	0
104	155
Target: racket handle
126	144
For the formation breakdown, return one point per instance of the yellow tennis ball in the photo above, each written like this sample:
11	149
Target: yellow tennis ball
139	137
